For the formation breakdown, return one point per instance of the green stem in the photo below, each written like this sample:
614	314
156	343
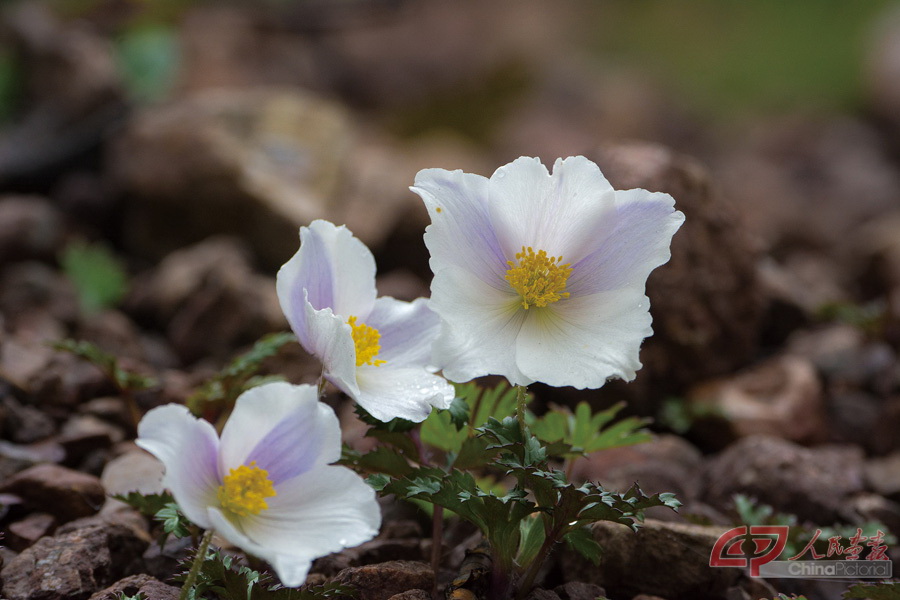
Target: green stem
321	384
521	395
199	557
437	538
527	581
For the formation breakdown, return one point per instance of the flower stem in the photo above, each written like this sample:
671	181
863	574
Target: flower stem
527	581
199	557
320	386
437	537
521	392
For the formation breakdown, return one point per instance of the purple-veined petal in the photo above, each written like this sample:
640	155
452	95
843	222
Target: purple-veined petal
585	340
331	341
283	428
319	512
405	392
332	269
188	448
556	213
408	331
291	567
481	323
460	233
638	241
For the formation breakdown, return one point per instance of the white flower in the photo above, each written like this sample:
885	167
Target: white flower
266	485
540	277
377	351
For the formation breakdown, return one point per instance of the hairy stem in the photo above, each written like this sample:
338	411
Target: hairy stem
199	557
521	395
527	581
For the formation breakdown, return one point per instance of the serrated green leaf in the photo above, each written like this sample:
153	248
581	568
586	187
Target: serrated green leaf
98	276
584	543
146	504
384	460
378	481
532	535
123	379
173	521
588	432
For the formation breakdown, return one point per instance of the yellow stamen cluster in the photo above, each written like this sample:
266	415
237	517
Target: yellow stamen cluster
538	278
245	490
365	339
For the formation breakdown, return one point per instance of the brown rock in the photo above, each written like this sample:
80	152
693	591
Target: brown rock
668	559
30	228
62	492
666	464
579	590
29	286
24	424
24	533
812	483
412	595
383	580
209	299
82	434
254	163
150	587
134	471
883	475
67	381
780	397
706	302
72	565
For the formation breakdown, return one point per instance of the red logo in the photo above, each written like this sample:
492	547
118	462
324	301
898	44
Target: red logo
768	542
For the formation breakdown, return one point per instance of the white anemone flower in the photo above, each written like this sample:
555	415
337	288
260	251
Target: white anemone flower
377	351
540	276
267	485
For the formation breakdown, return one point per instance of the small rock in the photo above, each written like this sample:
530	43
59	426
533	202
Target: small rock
668	559
30	228
24	424
83	434
883	475
24	533
579	590
113	332
381	581
541	594
109	408
62	492
812	483
72	565
865	508
28	286
780	397
209	299
67	381
412	595
150	587
134	471
666	464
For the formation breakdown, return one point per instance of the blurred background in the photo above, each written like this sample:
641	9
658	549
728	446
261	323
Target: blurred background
158	156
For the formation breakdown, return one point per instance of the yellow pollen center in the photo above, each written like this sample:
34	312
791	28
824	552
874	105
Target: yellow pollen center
245	490
365	339
538	278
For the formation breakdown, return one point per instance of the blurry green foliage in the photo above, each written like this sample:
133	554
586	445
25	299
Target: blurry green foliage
882	590
10	84
98	276
148	58
733	55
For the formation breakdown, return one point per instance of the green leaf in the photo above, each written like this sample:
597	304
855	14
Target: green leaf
98	276
394	425
383	460
123	379
238	376
148	57
587	432
883	590
146	504
584	543
378	481
531	532
173	521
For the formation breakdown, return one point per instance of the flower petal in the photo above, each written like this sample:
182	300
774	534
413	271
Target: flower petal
188	448
319	512
556	213
332	269
284	428
460	233
584	341
331	341
408	331
291	567
636	242
406	392
481	324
